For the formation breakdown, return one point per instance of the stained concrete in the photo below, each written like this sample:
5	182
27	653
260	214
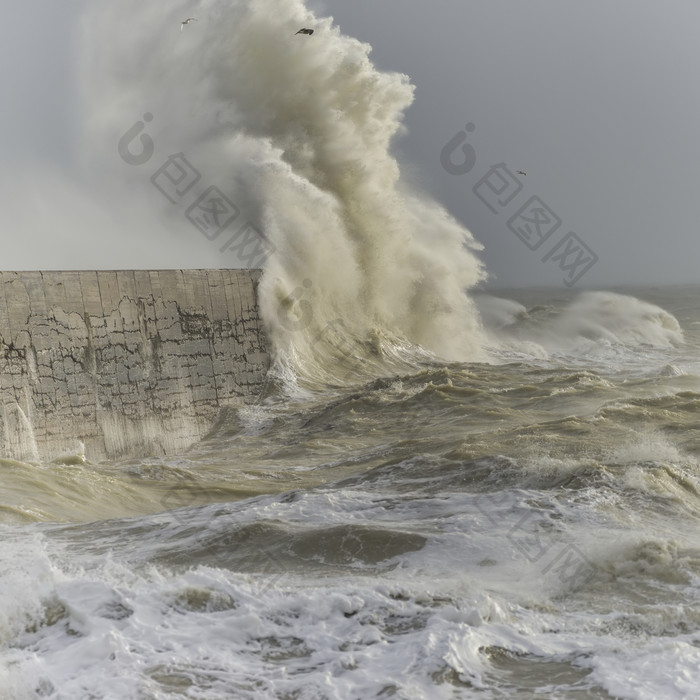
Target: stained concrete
131	362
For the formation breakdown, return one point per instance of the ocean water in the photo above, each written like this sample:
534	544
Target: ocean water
441	493
517	528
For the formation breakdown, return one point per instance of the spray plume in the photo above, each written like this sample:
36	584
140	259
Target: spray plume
298	131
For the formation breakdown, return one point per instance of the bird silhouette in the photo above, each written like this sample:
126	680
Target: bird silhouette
187	21
305	31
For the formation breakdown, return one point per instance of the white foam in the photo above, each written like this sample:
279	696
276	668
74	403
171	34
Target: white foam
225	635
433	612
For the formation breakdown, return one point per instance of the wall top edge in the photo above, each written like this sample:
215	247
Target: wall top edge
144	269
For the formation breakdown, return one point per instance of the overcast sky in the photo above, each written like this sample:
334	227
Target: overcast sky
596	101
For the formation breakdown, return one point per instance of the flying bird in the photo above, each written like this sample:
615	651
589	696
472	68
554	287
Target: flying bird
305	31
520	172
187	21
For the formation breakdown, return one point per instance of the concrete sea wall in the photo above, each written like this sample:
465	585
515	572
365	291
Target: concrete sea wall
127	363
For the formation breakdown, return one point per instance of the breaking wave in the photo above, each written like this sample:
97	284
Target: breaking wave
298	131
591	320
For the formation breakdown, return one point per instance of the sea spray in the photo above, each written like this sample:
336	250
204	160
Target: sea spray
297	130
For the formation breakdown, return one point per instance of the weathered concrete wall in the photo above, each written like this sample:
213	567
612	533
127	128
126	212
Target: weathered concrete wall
127	362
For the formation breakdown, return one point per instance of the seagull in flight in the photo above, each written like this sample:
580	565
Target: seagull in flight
305	31
520	172
187	21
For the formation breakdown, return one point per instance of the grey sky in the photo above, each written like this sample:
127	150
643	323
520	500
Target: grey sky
36	75
595	100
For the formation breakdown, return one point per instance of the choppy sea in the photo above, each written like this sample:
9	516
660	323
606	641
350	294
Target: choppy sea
519	528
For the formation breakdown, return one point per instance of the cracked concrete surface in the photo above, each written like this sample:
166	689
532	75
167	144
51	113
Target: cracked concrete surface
134	362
